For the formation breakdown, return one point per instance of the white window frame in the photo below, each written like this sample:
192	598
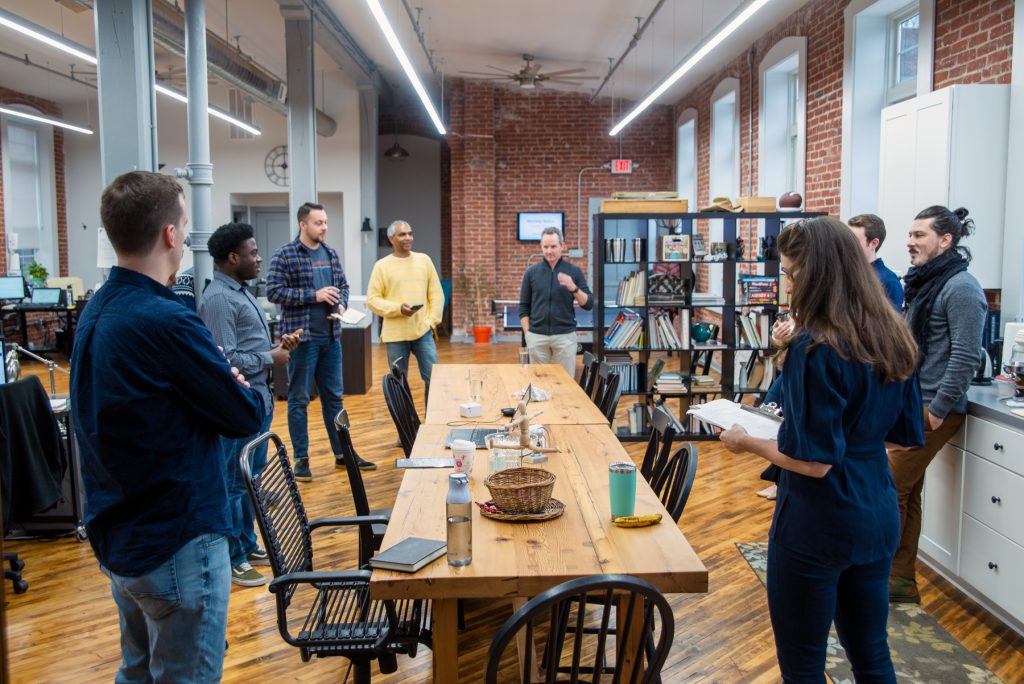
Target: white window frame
897	92
47	251
719	177
785	62
687	120
865	24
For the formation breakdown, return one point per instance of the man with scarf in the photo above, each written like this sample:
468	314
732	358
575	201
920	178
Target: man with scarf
945	307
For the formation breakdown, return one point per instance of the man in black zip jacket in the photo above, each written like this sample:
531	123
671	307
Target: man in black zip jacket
550	290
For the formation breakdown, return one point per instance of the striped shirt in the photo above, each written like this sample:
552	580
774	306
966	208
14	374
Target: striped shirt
290	284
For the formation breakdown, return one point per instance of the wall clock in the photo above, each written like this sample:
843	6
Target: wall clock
276	165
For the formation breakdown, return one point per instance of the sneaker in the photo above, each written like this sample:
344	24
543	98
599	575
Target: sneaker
769	492
258	557
903	590
244	575
339	462
301	470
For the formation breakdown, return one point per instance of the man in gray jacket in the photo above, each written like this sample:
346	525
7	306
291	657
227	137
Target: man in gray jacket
550	290
945	307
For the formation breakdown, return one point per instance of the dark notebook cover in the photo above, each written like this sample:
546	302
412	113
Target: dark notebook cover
409	555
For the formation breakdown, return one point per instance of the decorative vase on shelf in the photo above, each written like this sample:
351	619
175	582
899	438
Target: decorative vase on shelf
701	332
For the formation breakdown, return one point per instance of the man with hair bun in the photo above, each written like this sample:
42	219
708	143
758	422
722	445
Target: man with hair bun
945	307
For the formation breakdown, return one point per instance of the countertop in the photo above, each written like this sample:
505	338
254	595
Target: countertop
983	401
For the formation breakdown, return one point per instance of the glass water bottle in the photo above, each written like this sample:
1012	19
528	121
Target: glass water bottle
459	513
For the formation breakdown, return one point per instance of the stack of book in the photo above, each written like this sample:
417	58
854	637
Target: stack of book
704	383
632	289
753	329
758	289
622	364
671	383
663	334
707	299
626	331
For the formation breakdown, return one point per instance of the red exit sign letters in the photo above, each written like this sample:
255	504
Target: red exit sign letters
622	166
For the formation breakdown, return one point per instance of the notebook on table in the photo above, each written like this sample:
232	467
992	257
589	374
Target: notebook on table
476	435
409	555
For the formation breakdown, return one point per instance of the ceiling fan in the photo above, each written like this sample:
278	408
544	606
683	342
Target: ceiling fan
529	75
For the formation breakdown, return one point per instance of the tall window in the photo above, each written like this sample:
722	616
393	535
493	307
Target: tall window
781	146
686	157
725	160
901	56
29	194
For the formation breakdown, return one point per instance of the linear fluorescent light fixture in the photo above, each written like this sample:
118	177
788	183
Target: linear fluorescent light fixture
691	61
45	120
31	30
396	47
180	97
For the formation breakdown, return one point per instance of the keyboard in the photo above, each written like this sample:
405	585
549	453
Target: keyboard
475	435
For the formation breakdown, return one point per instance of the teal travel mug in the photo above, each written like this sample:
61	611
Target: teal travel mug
622	488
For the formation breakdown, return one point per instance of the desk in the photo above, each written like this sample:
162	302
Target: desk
569	405
517	561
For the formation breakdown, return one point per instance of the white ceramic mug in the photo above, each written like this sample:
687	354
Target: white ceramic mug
462	452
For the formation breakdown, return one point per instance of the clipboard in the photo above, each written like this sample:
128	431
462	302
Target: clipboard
762	423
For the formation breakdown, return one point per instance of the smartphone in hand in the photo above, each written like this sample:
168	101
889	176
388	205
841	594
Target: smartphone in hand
416	307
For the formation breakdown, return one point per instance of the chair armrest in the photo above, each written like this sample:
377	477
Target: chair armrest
280	583
353	520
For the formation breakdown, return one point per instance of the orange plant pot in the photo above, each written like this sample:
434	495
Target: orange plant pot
482	334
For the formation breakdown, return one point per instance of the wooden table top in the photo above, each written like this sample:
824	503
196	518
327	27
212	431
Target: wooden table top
524	559
569	404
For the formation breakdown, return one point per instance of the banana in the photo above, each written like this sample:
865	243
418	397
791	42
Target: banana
637	520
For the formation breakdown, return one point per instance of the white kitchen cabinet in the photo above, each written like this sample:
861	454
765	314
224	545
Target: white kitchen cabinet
947	147
940	514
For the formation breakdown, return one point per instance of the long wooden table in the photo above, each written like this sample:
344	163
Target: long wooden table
517	560
450	386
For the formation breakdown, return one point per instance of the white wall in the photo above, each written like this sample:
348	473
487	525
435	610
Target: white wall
411	190
237	169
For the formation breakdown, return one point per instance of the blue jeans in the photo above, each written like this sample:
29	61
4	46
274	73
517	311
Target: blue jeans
805	594
174	618
242	540
319	361
423	349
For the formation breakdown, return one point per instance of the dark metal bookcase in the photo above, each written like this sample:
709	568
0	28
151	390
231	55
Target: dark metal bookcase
608	275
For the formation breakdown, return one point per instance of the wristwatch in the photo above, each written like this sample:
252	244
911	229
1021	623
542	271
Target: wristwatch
572	292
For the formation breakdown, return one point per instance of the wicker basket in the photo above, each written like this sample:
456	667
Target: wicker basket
521	490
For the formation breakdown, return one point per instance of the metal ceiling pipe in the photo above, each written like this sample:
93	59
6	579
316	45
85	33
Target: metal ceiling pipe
632	44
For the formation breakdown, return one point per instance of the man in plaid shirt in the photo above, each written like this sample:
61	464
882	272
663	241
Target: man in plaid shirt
307	280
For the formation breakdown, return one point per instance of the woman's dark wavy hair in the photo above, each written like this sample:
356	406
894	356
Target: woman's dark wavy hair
954	223
839	300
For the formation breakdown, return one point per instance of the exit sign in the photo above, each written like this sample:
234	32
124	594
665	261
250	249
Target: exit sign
622	166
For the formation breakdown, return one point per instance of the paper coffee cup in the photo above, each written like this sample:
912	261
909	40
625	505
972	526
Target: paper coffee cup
462	453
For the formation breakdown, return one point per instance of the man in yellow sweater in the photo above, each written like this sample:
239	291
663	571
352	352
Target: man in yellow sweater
405	291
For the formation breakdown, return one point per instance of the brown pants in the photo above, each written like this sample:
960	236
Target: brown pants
908	466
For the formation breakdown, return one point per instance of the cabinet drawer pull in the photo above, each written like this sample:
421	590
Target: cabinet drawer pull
996	500
993	566
997	446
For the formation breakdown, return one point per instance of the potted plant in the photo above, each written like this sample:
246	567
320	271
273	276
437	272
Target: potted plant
472	285
38	273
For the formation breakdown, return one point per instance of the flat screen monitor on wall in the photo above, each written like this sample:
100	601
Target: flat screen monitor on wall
533	223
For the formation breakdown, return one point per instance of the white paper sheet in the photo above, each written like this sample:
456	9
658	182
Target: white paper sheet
724	414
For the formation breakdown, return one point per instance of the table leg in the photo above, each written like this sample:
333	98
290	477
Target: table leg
632	648
525	648
445	640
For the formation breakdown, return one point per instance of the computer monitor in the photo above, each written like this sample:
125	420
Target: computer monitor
46	295
532	223
12	287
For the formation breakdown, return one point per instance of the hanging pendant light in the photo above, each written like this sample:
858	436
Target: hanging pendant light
396	152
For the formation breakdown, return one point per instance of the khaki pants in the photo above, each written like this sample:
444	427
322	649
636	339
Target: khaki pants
908	466
560	349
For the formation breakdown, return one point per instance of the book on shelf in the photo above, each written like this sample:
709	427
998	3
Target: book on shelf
632	289
409	555
753	329
759	289
671	382
662	334
652	375
628	370
626	331
699	299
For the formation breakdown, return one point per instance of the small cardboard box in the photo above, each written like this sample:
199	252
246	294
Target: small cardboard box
674	248
756	204
613	206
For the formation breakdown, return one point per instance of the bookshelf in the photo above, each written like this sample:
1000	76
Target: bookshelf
645	278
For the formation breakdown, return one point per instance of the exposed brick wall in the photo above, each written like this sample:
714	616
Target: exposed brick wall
51	109
973	40
513	151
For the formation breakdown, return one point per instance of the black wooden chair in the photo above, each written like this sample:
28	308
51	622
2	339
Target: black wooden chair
335	614
558	609
659	446
400	369
402	411
355	479
609	391
588	376
673	480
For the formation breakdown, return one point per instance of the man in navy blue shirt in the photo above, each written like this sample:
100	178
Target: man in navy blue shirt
151	395
870	232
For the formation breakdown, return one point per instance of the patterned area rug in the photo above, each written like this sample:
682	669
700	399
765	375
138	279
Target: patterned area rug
922	651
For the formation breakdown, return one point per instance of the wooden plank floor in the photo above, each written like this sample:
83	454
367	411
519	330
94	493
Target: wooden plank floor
65	628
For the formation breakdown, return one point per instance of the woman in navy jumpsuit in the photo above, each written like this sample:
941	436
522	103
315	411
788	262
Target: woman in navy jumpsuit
849	389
